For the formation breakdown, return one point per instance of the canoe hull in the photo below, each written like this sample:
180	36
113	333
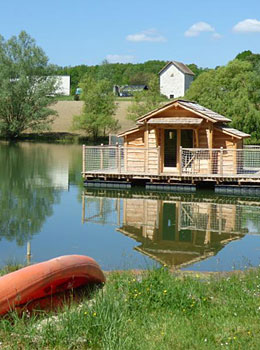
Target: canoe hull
47	279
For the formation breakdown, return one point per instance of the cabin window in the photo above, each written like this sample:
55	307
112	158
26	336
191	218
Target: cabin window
171	96
187	138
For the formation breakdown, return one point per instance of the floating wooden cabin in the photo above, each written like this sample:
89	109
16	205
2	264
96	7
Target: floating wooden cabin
178	126
180	141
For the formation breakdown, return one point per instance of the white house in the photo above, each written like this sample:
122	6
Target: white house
175	79
63	85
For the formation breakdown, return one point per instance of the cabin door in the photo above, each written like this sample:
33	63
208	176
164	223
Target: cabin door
170	148
172	141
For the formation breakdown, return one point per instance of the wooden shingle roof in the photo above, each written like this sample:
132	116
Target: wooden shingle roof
205	111
232	131
191	106
199	111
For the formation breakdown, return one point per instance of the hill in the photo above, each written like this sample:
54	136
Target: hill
67	109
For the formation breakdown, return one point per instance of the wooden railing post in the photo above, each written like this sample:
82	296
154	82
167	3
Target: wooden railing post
180	162
116	155
235	158
101	157
119	159
83	159
28	253
83	208
125	150
221	162
159	159
145	160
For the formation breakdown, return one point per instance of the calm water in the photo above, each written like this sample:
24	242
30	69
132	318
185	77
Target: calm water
44	206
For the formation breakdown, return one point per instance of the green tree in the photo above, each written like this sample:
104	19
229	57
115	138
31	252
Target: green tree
25	86
244	55
196	70
140	78
146	100
234	91
99	108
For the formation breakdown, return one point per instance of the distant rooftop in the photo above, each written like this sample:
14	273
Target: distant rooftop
181	66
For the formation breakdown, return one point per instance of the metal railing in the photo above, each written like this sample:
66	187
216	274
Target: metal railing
221	161
118	159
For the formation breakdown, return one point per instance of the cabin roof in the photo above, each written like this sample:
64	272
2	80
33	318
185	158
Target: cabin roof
192	106
181	66
175	121
129	131
134	87
232	132
205	111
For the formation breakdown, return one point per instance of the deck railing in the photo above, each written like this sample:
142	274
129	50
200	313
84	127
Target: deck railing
221	162
119	160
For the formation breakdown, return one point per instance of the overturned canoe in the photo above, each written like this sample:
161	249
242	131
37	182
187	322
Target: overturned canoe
47	279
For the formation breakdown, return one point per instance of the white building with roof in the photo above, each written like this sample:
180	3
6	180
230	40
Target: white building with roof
62	85
175	79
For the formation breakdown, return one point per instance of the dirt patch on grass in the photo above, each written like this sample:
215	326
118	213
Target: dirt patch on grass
121	115
67	109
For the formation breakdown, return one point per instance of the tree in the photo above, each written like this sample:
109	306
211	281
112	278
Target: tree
140	78
99	107
25	86
146	100
244	55
234	91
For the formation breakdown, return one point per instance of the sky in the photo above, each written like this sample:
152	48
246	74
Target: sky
205	32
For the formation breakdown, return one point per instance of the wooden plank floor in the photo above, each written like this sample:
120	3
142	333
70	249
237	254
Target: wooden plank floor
131	176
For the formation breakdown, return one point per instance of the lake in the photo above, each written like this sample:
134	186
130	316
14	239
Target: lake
47	212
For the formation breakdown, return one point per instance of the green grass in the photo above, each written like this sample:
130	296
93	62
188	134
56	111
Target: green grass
64	98
154	310
130	98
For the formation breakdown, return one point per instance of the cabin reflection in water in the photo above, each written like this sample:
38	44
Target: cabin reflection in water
175	233
180	233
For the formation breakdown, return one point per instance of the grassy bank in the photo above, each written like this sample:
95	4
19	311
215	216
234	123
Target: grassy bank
151	311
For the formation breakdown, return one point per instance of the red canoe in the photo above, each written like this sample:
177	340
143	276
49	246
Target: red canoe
47	279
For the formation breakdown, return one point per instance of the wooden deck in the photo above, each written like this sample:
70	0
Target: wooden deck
235	166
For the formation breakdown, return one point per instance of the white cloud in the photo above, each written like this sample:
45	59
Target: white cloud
216	35
150	35
120	58
197	28
247	26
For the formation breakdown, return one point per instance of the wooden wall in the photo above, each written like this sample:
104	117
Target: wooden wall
134	158
142	214
135	140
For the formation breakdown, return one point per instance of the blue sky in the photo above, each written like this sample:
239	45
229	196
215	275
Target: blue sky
205	32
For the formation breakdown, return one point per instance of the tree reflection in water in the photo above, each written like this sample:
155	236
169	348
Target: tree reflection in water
26	191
